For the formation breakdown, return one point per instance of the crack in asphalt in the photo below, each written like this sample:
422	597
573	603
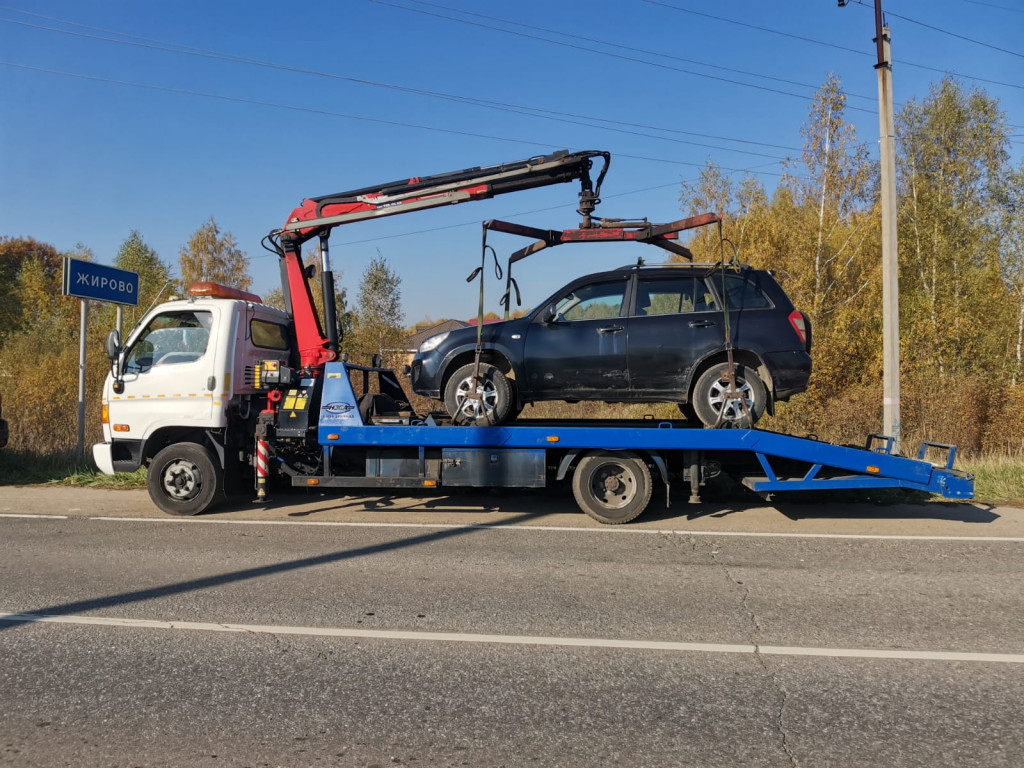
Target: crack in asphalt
755	628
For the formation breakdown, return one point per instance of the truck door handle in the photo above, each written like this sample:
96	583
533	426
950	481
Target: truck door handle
701	323
610	329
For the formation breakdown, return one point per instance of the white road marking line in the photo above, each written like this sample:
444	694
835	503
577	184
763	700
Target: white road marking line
511	526
576	642
44	517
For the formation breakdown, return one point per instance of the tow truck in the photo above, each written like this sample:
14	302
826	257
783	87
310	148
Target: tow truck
218	393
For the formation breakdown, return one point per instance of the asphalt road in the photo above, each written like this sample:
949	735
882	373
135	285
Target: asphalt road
507	630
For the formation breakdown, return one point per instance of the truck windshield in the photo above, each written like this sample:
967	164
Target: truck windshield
170	339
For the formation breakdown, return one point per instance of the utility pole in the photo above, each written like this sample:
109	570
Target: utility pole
890	260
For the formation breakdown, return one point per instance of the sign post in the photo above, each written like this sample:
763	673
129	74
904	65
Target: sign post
98	282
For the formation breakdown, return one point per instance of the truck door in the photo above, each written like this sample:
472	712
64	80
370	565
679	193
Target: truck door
169	373
582	350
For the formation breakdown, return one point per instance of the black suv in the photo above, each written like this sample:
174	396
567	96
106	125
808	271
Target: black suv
634	334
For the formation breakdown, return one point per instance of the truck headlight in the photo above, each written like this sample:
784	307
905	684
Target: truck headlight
432	342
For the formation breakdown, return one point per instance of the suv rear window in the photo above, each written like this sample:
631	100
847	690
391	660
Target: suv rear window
741	294
672	296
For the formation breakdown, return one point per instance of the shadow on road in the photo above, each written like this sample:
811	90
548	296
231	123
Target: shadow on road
718	501
956	513
246	574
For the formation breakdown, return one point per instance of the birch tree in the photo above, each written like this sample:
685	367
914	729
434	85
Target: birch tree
952	171
379	322
135	256
213	256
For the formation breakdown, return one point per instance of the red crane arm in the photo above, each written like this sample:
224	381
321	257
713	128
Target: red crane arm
317	216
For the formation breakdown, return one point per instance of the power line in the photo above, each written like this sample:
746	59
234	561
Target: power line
994	5
768	30
562	33
607	53
956	35
259	103
759	28
328	113
153	44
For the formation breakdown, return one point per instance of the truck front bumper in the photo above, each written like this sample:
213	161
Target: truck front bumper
119	456
102	456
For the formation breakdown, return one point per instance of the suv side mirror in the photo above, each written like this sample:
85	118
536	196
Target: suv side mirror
549	314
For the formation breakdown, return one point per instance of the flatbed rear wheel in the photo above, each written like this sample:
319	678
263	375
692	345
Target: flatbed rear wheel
185	479
613	487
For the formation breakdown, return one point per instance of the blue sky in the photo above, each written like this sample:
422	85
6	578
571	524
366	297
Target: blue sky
134	114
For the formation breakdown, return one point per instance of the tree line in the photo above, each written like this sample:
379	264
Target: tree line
961	268
39	328
961	257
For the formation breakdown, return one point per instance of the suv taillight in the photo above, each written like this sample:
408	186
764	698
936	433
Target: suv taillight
799	322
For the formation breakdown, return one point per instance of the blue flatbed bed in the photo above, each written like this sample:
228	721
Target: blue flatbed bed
614	457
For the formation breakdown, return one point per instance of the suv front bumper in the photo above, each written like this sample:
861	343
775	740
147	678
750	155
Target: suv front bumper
423	378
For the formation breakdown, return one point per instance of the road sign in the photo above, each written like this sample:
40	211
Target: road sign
97	281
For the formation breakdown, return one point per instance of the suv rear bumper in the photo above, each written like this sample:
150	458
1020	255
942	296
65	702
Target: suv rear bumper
790	372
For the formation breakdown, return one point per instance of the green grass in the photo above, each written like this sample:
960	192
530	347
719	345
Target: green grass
24	468
997	479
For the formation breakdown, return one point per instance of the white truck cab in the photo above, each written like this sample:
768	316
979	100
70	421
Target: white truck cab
184	372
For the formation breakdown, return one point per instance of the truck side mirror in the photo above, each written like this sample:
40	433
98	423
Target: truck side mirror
113	345
114	352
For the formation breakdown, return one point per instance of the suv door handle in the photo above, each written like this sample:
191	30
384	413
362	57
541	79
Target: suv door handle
610	329
701	323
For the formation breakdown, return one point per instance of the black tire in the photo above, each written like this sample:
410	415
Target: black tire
185	479
688	411
613	487
710	398
495	403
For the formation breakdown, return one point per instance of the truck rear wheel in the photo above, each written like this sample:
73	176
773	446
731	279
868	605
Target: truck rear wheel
185	479
613	487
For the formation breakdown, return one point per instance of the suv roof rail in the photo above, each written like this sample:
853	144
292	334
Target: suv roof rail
687	265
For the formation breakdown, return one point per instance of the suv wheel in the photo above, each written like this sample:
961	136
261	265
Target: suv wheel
485	402
715	408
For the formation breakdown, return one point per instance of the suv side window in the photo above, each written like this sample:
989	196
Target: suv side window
676	295
741	294
597	301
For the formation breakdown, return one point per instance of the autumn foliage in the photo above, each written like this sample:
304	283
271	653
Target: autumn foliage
961	255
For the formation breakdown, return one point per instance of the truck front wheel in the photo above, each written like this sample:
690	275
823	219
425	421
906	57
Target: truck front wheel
612	487
185	479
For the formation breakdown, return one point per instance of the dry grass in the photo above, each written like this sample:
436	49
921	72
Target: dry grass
997	479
